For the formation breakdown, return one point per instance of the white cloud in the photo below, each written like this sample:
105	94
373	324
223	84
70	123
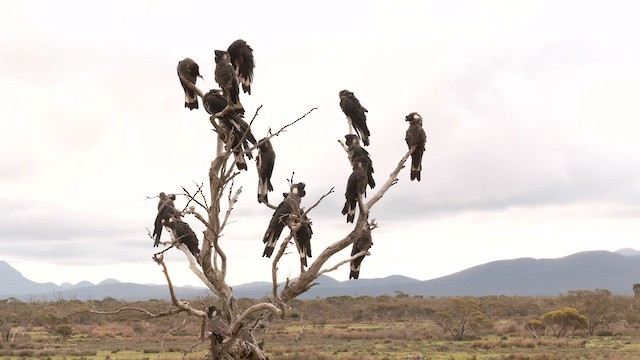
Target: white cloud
529	110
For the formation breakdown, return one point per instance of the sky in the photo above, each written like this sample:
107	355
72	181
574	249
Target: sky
530	109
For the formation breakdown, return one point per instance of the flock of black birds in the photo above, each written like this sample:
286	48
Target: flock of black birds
234	69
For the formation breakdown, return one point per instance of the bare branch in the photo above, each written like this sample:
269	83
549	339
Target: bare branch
274	264
281	130
193	266
193	198
148	314
346	149
318	202
184	321
232	200
191	86
270	206
255	115
163	251
183	305
335	267
393	179
235	327
198	216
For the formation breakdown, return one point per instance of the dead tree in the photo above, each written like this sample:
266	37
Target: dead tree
227	330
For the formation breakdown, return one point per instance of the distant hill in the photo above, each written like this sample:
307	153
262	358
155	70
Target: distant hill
615	271
12	282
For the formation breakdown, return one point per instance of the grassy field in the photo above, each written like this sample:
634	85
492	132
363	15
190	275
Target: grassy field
329	341
363	328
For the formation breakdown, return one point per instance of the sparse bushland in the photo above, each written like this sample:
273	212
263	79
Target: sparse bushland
387	327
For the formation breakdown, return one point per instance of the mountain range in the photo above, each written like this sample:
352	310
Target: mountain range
615	271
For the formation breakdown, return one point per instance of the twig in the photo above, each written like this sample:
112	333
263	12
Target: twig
255	308
299	333
149	315
190	349
191	86
318	202
193	198
184	321
232	200
346	149
274	264
393	179
279	131
255	115
335	267
180	304
163	251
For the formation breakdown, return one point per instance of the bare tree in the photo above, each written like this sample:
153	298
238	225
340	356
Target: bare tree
232	332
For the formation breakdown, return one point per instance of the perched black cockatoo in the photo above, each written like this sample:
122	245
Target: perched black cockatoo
302	239
416	137
355	115
214	102
233	130
166	209
232	143
363	243
290	206
358	152
242	61
264	162
226	77
216	325
188	73
182	233
356	186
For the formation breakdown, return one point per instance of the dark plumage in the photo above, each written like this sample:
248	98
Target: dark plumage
233	130
356	186
166	209
216	325
357	152
363	243
303	240
188	73
226	77
416	137
232	143
289	206
214	102
355	113
182	233
265	162
243	63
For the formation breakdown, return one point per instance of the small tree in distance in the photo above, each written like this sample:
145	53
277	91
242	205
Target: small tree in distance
233	332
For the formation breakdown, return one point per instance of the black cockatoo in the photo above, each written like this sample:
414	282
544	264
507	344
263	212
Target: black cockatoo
188	73
166	209
216	326
265	162
356	186
416	138
355	113
226	77
357	152
363	243
243	63
233	130
182	233
290	206
303	239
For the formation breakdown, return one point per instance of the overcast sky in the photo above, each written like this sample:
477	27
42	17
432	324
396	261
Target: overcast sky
531	111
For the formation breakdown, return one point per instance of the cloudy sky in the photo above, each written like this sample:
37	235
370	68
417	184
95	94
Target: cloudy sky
530	108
